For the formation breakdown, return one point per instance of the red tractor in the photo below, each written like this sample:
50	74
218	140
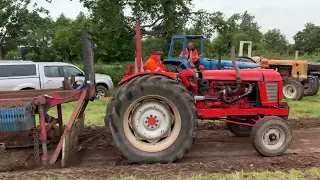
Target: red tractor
153	117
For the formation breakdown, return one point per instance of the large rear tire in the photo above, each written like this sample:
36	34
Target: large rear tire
153	120
312	86
271	136
293	90
107	118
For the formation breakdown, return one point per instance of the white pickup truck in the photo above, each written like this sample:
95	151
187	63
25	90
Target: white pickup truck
23	75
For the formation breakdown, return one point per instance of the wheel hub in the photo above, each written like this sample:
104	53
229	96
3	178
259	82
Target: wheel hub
273	138
100	93
290	91
151	121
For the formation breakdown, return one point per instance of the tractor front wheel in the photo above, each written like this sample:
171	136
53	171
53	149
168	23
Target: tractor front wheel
271	136
293	90
152	119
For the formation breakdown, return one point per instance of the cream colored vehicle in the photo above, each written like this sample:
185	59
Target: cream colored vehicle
294	73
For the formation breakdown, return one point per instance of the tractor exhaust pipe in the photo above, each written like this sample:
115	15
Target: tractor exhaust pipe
233	59
88	59
236	68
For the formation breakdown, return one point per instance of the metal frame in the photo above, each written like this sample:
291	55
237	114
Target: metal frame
184	46
242	43
43	100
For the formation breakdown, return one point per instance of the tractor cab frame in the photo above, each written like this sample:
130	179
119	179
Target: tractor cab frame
176	64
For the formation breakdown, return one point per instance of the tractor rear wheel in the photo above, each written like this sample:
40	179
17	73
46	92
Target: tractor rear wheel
173	68
312	86
271	136
107	118
293	90
239	130
317	86
153	120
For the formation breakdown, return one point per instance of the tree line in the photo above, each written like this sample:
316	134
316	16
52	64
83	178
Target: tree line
113	32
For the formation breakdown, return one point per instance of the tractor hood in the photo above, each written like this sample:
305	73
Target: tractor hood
226	64
267	75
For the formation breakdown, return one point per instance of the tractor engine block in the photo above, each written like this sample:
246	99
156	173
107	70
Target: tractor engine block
226	94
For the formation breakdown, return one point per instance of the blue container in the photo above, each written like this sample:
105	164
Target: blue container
17	119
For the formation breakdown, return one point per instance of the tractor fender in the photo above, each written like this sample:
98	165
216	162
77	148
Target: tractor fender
126	78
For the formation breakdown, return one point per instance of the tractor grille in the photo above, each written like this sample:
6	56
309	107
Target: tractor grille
272	92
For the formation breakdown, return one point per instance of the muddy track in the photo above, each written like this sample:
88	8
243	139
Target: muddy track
215	150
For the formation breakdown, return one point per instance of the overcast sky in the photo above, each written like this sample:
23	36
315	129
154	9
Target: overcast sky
289	16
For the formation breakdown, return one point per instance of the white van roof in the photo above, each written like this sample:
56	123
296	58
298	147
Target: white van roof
14	61
3	62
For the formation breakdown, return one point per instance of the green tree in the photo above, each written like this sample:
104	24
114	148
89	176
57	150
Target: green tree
66	41
274	40
14	15
111	29
308	40
238	27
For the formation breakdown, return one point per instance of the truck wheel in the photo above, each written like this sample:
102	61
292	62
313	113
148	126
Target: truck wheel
153	120
173	68
312	86
239	130
293	89
101	91
271	136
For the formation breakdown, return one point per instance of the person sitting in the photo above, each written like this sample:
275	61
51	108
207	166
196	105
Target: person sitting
191	55
154	63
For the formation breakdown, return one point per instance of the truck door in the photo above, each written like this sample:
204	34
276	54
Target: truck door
52	77
68	71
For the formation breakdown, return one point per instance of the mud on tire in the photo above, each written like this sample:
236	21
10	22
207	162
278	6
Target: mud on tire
140	120
107	118
271	136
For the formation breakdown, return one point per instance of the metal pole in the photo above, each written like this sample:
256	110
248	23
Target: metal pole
43	135
250	50
138	49
297	55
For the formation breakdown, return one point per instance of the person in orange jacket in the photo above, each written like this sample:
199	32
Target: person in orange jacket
191	55
154	62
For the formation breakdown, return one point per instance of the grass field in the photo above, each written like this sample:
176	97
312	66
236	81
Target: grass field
293	174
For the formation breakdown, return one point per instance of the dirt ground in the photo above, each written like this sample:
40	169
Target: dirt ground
215	150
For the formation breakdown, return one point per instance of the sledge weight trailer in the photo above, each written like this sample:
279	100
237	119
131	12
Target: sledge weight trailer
175	64
153	117
18	109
